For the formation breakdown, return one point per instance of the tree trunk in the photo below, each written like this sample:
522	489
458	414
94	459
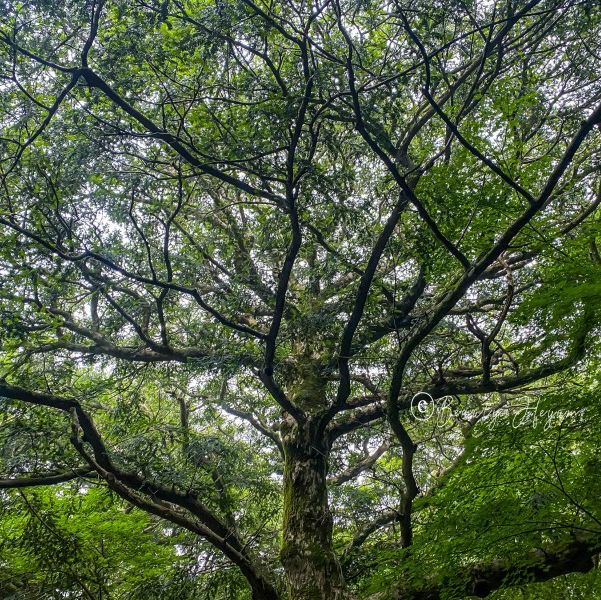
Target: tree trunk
312	570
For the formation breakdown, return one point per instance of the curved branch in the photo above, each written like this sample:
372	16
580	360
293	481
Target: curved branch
133	487
536	565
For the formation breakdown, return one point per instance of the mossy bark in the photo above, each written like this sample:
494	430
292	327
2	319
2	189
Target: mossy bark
312	570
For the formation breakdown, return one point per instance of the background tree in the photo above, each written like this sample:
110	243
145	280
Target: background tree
239	237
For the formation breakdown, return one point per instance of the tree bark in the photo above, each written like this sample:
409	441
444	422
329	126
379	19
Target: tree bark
574	555
312	569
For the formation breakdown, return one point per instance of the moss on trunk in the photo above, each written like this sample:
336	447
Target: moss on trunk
312	569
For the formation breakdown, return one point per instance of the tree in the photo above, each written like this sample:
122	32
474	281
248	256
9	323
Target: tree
248	247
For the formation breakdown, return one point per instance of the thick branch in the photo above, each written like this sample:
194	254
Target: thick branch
535	565
210	526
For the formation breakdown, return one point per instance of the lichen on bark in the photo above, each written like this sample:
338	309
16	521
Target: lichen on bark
307	554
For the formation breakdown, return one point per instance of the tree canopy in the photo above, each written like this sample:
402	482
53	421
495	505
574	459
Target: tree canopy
300	300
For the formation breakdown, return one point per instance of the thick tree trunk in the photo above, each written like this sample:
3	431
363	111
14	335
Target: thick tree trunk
312	570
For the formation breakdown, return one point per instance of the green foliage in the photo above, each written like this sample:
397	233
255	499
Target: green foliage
218	215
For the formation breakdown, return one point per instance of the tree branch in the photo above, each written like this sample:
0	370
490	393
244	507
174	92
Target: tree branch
48	478
131	486
536	565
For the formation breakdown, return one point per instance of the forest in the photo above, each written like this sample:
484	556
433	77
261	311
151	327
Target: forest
300	299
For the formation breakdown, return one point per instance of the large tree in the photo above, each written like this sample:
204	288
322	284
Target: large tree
239	237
